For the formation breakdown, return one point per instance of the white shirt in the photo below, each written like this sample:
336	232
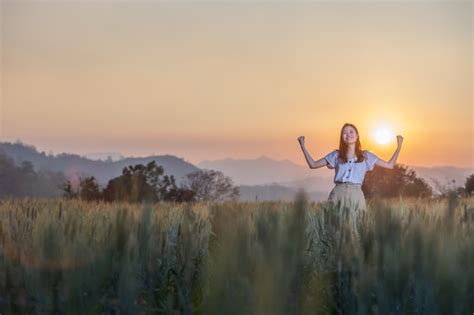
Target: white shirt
350	171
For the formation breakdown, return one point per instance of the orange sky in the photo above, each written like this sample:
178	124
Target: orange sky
238	80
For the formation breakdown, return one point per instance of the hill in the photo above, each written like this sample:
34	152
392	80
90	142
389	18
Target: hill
72	164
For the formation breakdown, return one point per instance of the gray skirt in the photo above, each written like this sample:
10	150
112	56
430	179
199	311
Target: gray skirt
349	201
349	195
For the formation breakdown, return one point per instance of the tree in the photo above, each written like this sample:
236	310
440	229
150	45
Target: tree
448	189
169	191
137	183
415	186
23	180
211	185
10	177
469	185
89	189
145	183
29	178
399	181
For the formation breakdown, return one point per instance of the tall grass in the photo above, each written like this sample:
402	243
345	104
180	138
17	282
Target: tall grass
409	256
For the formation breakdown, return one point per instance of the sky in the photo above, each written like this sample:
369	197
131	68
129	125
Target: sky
215	80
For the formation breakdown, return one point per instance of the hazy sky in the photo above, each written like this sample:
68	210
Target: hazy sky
211	80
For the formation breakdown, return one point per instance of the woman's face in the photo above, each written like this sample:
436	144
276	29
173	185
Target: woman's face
349	135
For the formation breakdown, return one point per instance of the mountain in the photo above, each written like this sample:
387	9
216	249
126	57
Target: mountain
263	170
73	164
114	156
444	175
262	178
104	170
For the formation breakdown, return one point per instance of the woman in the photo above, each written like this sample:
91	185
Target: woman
350	163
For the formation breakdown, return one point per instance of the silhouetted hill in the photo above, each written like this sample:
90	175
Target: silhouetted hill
263	177
263	170
445	175
71	164
105	156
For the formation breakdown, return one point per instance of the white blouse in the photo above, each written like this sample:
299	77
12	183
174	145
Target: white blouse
351	171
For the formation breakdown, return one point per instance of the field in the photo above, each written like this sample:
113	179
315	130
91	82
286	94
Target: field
410	256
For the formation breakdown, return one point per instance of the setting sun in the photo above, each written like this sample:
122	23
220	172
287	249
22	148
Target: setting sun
383	135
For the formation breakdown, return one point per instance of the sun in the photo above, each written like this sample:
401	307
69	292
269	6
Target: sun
383	135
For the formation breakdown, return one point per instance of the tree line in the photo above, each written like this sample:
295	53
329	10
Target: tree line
148	182
402	181
139	183
23	180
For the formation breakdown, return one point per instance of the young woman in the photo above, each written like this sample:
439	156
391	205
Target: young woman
350	163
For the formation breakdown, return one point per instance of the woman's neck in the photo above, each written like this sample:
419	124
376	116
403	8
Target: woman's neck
350	151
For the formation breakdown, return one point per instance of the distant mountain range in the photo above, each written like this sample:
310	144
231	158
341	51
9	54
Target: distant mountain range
445	175
258	179
103	171
113	156
266	171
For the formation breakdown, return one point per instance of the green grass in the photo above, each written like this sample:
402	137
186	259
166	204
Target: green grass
409	256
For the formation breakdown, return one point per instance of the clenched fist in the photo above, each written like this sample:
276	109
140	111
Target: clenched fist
399	140
301	140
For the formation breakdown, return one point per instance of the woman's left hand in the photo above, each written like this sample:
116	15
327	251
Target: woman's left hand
399	140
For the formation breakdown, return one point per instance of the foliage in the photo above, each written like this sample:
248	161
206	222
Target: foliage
137	183
169	191
24	180
396	182
148	183
469	185
211	185
449	189
89	188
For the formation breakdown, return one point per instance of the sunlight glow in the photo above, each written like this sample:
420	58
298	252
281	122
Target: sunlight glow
383	135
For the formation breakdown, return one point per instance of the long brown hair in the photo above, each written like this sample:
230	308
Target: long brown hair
343	146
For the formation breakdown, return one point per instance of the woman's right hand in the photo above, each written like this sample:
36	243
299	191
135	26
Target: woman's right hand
301	140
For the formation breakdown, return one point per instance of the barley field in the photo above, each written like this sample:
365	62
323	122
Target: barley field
409	256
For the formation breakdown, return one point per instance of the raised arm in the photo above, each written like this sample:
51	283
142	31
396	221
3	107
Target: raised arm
393	160
311	162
